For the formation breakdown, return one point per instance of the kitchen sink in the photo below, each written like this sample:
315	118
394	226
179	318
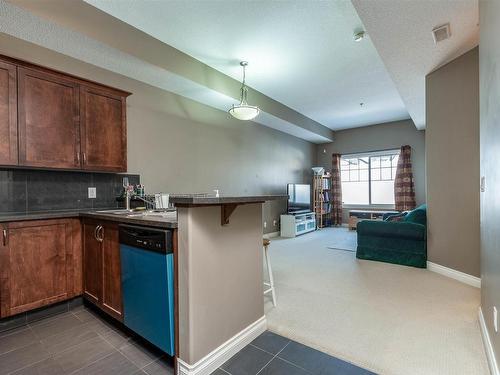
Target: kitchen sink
161	214
139	213
123	212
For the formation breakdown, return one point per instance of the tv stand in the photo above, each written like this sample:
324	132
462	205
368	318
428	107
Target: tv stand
293	225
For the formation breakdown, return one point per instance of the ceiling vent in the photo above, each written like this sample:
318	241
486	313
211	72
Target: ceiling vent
441	33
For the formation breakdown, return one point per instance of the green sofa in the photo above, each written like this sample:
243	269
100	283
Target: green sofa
400	242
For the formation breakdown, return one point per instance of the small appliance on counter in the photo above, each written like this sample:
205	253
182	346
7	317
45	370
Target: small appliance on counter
147	262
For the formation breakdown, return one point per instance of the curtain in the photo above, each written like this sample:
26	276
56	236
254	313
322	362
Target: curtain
404	185
336	195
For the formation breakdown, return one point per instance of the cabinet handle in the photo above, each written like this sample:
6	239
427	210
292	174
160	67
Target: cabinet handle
101	234
84	158
5	237
95	232
78	158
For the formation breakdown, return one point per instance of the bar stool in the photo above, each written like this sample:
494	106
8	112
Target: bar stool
270	284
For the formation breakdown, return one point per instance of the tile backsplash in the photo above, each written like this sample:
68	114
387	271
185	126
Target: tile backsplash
23	190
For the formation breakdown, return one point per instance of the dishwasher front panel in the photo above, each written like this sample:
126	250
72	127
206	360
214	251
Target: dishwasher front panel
148	295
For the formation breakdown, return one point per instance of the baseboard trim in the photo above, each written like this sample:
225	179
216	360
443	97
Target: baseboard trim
217	357
272	235
488	347
454	274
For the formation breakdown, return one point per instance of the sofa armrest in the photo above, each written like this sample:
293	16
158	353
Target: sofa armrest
390	229
388	215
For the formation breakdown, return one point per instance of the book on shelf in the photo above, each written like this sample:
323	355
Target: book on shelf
326	184
325	196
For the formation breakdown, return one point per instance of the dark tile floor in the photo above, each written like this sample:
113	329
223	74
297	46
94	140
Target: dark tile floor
271	354
78	341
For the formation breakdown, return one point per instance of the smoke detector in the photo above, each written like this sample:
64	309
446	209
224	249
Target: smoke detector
440	33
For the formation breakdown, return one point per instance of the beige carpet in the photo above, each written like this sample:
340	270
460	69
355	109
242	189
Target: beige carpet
387	318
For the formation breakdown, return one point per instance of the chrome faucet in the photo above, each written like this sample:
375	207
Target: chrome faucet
128	196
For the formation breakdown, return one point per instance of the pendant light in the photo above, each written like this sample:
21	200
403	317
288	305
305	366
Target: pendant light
243	111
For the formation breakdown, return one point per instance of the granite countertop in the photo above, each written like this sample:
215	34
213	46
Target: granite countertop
167	221
39	215
191	200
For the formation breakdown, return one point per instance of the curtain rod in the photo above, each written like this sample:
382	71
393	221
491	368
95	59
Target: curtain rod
370	152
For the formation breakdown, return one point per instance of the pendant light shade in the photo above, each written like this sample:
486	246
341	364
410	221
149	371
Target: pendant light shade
244	111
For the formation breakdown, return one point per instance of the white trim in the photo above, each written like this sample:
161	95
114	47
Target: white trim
220	355
272	234
454	274
488	347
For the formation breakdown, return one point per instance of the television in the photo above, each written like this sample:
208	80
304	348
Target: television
299	198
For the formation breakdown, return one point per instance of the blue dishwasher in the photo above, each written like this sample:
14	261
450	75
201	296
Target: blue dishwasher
147	262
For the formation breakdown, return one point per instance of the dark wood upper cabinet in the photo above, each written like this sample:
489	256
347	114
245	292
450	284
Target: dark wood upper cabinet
50	119
102	266
104	130
8	114
49	126
38	264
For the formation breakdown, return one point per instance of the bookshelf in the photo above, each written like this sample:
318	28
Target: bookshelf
322	197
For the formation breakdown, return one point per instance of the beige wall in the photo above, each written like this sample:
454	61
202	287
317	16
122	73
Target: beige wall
180	146
380	137
452	144
489	68
220	277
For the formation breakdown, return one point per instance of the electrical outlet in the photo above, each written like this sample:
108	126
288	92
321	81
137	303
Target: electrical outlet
92	192
265	224
275	222
483	184
495	318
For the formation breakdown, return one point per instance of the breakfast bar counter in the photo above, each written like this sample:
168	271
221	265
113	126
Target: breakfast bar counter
220	290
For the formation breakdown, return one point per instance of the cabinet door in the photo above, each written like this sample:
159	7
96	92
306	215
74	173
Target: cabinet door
8	114
92	262
104	133
38	259
4	274
49	132
111	274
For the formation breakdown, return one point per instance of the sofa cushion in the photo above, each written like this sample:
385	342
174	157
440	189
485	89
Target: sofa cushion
389	229
418	215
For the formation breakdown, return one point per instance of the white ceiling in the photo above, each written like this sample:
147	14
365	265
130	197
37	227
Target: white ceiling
24	25
401	32
301	53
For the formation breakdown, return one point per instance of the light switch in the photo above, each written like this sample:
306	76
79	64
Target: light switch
92	192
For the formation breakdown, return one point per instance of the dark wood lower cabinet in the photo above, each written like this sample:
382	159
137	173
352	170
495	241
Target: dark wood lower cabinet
102	266
92	263
40	264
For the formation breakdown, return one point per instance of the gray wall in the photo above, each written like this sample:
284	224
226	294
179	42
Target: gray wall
178	145
489	68
380	137
452	146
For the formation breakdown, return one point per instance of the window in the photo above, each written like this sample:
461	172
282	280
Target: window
368	179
